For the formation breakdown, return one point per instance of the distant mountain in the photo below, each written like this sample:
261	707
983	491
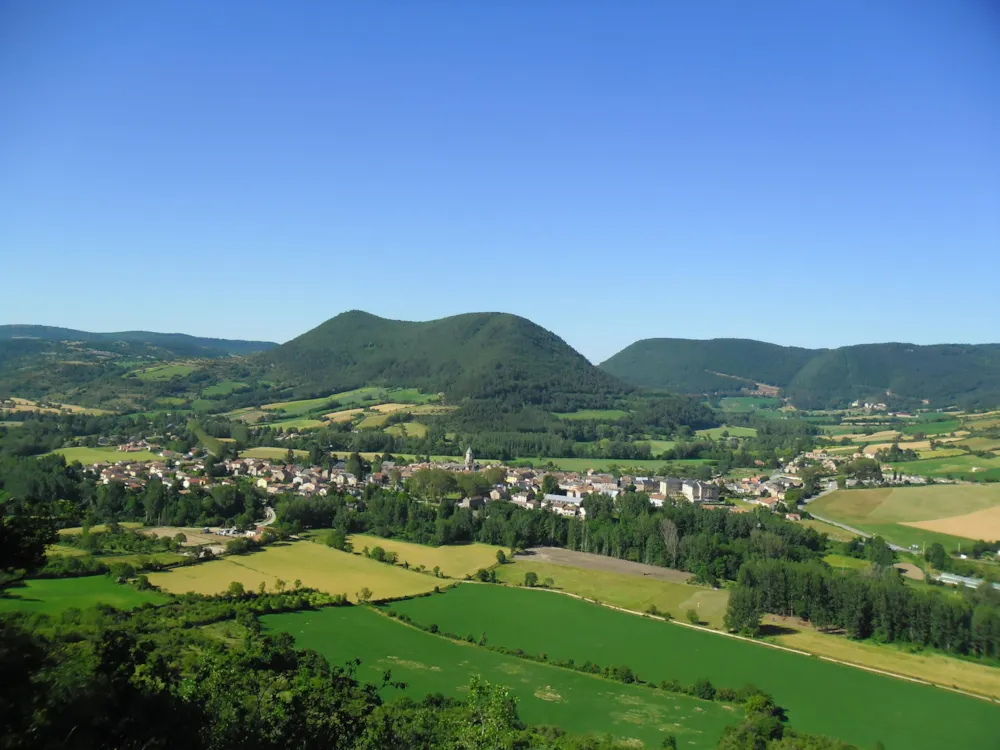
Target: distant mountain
944	375
179	344
477	355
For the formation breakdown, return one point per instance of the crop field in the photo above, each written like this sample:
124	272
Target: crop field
955	467
65	550
455	561
298	408
980	524
659	446
750	403
165	372
54	595
602	415
933	428
411	429
316	565
224	388
929	666
162	558
24	405
546	694
717	432
980	444
99	527
635	592
373	422
343	416
846	563
297	423
821	697
103	455
896	512
273	454
834	532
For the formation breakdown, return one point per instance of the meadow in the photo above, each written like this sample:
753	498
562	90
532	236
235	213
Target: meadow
212	444
715	433
411	429
298	408
455	561
546	694
973	468
297	423
103	455
315	565
272	454
55	595
601	415
891	511
938	427
635	592
821	697
225	388
25	405
164	372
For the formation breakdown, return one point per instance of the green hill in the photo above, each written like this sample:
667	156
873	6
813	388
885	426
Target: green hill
477	356
177	344
944	374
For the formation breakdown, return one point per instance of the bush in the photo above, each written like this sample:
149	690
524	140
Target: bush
703	689
530	579
692	617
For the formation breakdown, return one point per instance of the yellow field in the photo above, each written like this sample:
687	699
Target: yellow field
99	527
413	429
915	445
980	524
860	436
315	565
627	591
23	405
932	667
390	408
834	532
273	454
909	504
342	416
455	561
375	420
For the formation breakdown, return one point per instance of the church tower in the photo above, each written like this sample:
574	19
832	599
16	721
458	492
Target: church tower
468	459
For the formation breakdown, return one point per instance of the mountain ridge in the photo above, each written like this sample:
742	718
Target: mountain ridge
191	344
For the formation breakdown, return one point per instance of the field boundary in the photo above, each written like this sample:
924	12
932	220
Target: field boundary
887	673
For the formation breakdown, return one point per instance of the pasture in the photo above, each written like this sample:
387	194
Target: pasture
821	697
897	513
298	408
834	532
297	423
956	467
272	454
410	429
225	388
373	421
164	372
546	694
455	561
635	592
599	415
107	455
23	405
55	595
846	563
715	433
937	427
99	527
315	565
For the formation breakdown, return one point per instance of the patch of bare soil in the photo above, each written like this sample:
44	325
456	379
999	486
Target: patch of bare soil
589	561
910	571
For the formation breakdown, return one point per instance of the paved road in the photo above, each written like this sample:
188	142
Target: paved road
269	516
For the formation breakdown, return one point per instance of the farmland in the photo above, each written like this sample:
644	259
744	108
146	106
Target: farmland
224	388
891	512
957	467
455	561
165	372
716	433
411	429
600	415
103	455
819	695
26	405
274	454
315	565
55	595
546	694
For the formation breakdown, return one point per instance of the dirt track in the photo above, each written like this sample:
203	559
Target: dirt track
587	561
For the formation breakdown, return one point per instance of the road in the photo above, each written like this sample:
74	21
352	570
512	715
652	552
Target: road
269	516
832	487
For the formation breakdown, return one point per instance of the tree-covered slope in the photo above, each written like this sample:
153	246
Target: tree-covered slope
179	344
477	355
945	374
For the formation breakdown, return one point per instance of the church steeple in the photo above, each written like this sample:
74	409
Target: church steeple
468	458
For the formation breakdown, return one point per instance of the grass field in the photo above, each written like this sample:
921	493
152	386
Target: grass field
846	563
99	527
821	697
750	403
298	408
455	561
658	446
602	415
627	591
212	444
412	429
546	694
373	421
582	464
887	511
104	455
163	558
956	467
716	432
933	428
937	668
272	454
224	388
165	372
297	423
316	565
834	532
24	405
54	595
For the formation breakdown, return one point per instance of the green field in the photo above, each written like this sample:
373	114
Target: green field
298	408
212	444
225	388
546	694
373	421
455	561
635	592
821	697
846	563
296	423
715	433
272	454
582	464
750	403
601	415
659	446
165	372
316	565
942	427
411	429
963	466
54	595
171	401
884	511
103	455
163	558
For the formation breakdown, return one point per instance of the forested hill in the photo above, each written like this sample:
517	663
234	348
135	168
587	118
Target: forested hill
179	344
476	355
944	374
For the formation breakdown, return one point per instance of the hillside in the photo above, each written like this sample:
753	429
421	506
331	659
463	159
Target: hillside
178	344
944	374
476	355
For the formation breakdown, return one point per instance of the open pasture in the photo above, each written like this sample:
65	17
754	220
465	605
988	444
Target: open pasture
546	694
225	388
821	697
373	421
343	416
409	429
99	527
25	405
635	592
455	561
300	407
893	511
108	455
272	454
834	532
165	372
938	427
55	595
600	415
315	565
955	467
297	423
716	433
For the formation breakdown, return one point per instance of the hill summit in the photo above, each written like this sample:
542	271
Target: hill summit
475	355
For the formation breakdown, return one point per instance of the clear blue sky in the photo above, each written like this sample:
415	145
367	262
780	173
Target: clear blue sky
811	173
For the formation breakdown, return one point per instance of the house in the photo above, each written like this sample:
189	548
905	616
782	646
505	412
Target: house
472	503
657	499
670	486
699	492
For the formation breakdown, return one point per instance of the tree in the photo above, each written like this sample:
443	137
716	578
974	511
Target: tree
530	579
669	743
236	590
550	485
290	456
743	612
365	595
355	465
27	528
937	556
492	719
671	540
501	557
692	617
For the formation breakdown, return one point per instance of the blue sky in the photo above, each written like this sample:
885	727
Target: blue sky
817	173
